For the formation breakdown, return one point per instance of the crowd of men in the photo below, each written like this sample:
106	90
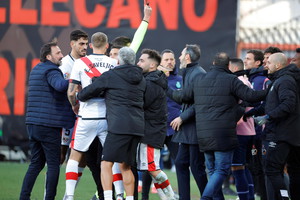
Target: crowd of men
240	117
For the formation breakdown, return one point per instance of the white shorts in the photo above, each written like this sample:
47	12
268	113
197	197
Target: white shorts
85	132
147	158
66	136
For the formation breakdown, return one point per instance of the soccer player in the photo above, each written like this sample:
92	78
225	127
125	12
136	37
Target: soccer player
155	108
91	121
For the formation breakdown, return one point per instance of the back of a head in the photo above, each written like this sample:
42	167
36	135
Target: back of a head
126	56
152	54
77	34
46	50
258	55
121	41
99	40
221	59
194	51
237	62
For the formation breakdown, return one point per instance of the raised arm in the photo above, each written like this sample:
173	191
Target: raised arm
141	31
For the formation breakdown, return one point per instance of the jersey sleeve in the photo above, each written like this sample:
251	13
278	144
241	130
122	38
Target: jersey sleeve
139	36
75	74
66	67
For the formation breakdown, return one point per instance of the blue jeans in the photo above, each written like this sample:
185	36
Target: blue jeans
45	148
218	164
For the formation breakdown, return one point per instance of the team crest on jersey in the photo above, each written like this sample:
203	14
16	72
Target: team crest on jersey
178	85
66	75
65	140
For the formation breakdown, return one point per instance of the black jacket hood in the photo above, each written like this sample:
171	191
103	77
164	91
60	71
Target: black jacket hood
257	71
157	77
130	73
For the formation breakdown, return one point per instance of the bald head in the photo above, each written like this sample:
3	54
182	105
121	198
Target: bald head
276	62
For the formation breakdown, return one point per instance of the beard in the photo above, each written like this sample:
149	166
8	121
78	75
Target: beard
182	65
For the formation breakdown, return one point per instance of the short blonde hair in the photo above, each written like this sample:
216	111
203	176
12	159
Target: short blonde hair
99	40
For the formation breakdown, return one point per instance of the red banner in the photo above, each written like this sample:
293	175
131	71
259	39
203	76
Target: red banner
25	25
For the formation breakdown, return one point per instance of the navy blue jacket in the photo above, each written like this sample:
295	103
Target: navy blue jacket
48	104
259	80
174	109
187	133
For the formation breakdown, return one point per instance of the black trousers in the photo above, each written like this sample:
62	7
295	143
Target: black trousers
93	160
45	148
189	158
279	154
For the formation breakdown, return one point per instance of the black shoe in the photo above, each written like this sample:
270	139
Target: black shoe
94	197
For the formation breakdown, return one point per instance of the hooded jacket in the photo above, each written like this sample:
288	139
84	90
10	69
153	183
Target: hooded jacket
123	88
155	108
283	106
258	79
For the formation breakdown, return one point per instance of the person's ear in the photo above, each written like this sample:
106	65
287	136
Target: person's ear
72	43
187	57
258	63
49	57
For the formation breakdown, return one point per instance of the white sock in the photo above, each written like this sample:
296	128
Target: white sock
71	197
117	179
160	192
107	194
140	183
129	198
71	176
163	181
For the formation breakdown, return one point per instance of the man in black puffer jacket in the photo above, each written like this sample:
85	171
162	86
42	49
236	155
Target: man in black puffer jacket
123	88
216	98
155	108
283	125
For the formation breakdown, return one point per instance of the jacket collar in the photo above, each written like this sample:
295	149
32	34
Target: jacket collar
48	62
220	68
191	65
